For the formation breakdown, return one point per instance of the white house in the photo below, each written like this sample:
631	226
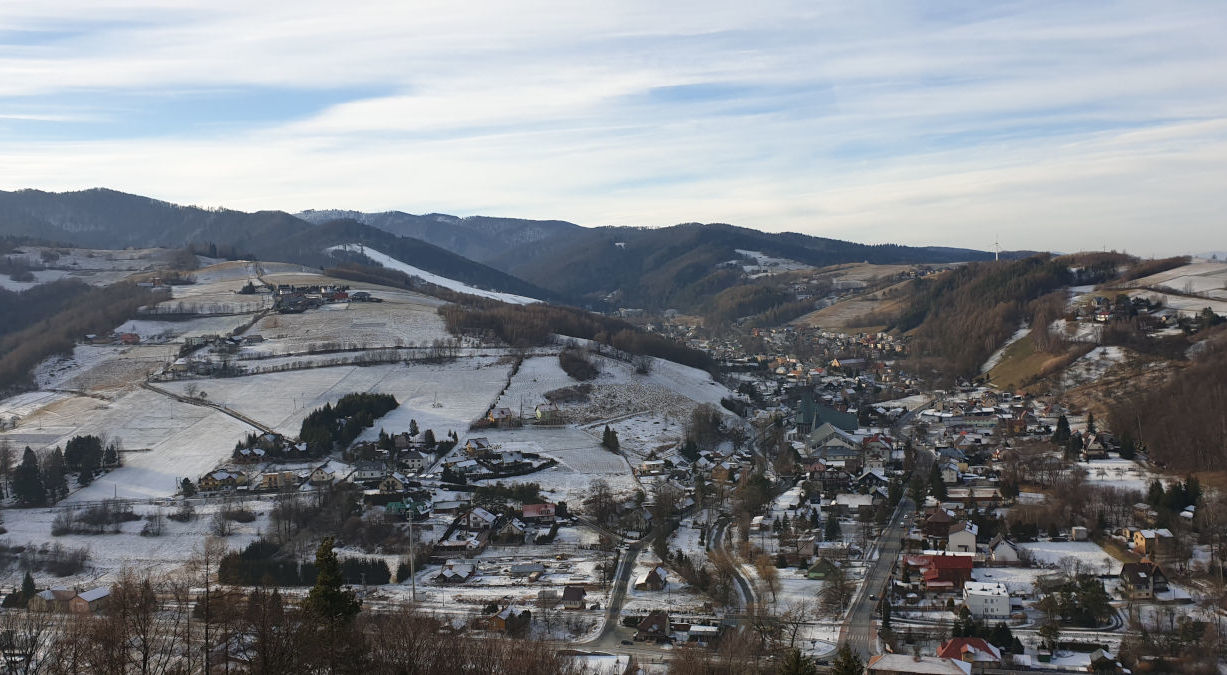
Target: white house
1001	549
962	538
986	600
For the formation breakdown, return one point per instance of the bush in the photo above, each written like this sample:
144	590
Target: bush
576	363
239	515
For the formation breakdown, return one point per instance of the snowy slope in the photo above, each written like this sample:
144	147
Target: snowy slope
394	264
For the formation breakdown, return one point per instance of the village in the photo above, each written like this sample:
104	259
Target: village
632	509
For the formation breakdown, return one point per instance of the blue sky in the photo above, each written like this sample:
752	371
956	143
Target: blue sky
1050	125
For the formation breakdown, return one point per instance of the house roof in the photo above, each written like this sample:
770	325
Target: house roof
573	593
538	510
902	663
977	648
95	594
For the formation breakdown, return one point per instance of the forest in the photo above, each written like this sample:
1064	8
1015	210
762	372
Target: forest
1182	422
961	316
342	423
533	325
51	318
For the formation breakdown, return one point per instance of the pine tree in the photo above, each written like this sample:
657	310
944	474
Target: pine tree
1090	423
28	481
54	481
832	531
937	486
796	663
847	662
189	490
428	439
28	589
327	600
1061	435
885	614
110	457
413	428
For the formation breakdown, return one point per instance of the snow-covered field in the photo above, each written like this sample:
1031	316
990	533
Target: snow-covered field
1125	474
394	264
1092	366
464	390
580	460
1060	553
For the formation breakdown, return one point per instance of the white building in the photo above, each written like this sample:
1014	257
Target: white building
987	600
962	538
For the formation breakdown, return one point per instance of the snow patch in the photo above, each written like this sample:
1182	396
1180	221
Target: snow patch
392	263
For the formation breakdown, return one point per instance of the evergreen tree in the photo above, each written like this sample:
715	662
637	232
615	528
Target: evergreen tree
110	456
1061	435
413	428
28	481
886	614
327	599
609	439
1155	495
189	490
85	477
1090	423
428	439
847	662
796	663
937	486
54	482
28	589
832	531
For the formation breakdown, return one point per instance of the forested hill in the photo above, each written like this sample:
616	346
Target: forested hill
679	266
102	218
478	238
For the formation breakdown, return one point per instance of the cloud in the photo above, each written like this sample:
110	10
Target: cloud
1057	126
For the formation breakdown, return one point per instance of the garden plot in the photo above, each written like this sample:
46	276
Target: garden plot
1054	554
580	460
111	553
464	390
1124	474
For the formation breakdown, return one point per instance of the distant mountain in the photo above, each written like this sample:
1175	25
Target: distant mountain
478	238
101	218
679	266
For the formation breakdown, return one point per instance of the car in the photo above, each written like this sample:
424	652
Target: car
627	642
873	598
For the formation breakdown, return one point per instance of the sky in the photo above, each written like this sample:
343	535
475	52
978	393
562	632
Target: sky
1045	126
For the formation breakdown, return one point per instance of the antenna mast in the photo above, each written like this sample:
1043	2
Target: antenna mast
997	249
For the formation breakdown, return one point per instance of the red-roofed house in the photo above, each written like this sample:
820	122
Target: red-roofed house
976	651
539	513
945	572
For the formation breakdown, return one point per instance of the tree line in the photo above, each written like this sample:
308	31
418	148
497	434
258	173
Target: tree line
326	427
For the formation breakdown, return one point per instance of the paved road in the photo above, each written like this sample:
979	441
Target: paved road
858	629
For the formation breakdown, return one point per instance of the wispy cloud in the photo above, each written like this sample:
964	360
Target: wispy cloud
1051	125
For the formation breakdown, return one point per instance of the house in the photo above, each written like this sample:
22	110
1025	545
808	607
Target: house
412	460
367	471
512	532
654	579
903	664
548	413
655	626
221	480
511	619
942	572
476	519
822	568
1143	579
455	573
52	600
962	537
573	597
938	523
976	651
1102	661
478	446
90	602
130	338
277	480
854	504
500	415
394	483
986	600
1001	549
539	513
1153	543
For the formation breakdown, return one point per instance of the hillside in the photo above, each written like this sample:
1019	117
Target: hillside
102	218
478	238
680	266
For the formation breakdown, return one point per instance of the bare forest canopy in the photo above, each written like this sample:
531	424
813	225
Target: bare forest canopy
51	318
1182	422
958	318
534	325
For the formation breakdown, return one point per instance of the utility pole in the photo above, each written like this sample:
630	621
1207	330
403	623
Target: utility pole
413	581
997	249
